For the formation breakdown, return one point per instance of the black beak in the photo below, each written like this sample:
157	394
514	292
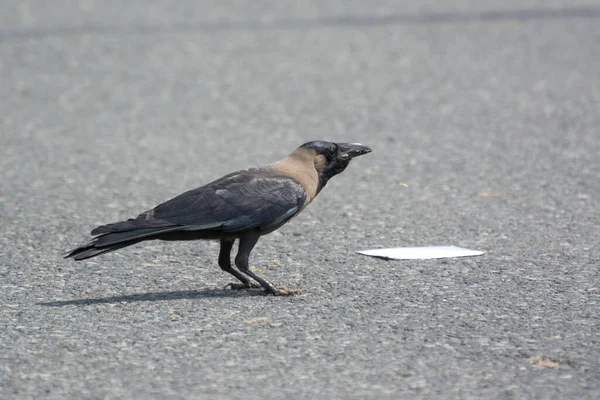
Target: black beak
347	151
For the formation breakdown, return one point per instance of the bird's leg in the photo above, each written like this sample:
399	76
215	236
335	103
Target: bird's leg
225	264
247	243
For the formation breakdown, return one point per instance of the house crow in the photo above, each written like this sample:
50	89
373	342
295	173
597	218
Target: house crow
243	205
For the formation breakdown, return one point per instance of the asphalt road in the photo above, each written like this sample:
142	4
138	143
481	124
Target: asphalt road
488	111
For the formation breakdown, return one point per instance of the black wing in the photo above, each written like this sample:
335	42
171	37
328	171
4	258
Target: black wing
252	199
244	200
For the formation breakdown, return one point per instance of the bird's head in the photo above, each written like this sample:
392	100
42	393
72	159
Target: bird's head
332	158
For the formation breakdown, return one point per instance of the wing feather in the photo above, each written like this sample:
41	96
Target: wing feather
249	199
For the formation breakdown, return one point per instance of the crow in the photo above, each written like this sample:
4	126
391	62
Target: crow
243	205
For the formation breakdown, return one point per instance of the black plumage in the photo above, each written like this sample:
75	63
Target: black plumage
243	205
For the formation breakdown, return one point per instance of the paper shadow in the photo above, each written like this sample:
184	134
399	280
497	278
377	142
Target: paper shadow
157	296
577	12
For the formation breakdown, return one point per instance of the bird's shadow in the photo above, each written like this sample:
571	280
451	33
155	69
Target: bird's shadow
158	296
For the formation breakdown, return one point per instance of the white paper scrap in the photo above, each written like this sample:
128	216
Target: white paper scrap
421	253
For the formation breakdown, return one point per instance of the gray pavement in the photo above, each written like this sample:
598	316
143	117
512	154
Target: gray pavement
487	110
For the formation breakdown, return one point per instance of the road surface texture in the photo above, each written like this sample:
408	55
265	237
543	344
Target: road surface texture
487	110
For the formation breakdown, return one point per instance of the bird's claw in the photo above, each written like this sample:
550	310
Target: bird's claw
274	291
241	286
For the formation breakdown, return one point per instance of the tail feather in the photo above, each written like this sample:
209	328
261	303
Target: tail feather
89	250
139	223
112	241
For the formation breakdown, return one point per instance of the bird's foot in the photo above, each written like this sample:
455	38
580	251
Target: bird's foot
288	292
241	286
